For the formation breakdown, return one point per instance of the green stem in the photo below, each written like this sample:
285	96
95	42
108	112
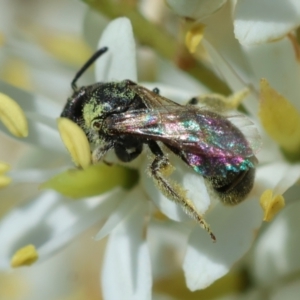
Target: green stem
154	36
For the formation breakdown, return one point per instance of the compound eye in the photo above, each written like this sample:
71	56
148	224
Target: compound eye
96	125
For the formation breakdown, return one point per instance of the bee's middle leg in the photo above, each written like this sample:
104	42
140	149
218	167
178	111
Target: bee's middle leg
162	168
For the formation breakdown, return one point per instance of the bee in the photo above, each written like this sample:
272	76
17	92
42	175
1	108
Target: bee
124	117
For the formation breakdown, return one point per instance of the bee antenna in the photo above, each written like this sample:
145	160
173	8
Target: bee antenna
91	60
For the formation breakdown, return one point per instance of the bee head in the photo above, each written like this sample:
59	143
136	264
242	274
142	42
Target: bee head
73	109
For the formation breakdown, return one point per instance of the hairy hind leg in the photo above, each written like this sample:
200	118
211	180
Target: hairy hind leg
158	171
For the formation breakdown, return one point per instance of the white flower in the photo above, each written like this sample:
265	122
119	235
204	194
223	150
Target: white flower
244	62
245	66
195	9
255	21
276	252
127	269
274	260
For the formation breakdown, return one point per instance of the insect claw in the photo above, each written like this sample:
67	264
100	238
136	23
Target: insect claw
213	237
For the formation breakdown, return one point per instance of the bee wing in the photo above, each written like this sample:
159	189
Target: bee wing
153	100
166	106
185	128
249	130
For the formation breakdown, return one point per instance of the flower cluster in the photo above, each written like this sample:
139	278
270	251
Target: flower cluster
149	237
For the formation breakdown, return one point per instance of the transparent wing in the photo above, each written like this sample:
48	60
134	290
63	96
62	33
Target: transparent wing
153	100
185	128
248	129
164	106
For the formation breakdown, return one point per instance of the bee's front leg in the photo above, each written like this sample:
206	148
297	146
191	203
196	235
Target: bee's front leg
158	171
100	151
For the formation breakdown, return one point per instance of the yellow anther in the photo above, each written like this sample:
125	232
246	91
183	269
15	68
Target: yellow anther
75	141
271	204
25	256
4	181
4	167
12	116
194	36
16	72
62	45
280	118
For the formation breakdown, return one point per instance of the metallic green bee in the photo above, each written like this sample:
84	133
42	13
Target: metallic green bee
124	116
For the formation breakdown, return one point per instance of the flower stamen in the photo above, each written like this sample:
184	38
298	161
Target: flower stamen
271	204
25	256
75	141
12	116
280	119
194	36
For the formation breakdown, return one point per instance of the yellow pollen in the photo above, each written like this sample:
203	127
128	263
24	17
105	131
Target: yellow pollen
12	116
25	256
75	141
271	204
222	103
234	100
194	36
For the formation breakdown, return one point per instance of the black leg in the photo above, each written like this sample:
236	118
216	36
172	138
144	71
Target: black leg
156	91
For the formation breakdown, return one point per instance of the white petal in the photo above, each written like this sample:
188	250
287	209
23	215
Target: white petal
268	175
290	291
196	9
33	175
167	244
176	94
126	272
235	229
277	251
92	20
120	213
279	64
41	135
270	151
168	73
119	62
278	177
227	55
41	114
49	223
30	102
258	21
288	179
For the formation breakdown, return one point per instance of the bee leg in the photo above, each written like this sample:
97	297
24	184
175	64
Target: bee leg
193	101
156	91
158	171
99	153
108	163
